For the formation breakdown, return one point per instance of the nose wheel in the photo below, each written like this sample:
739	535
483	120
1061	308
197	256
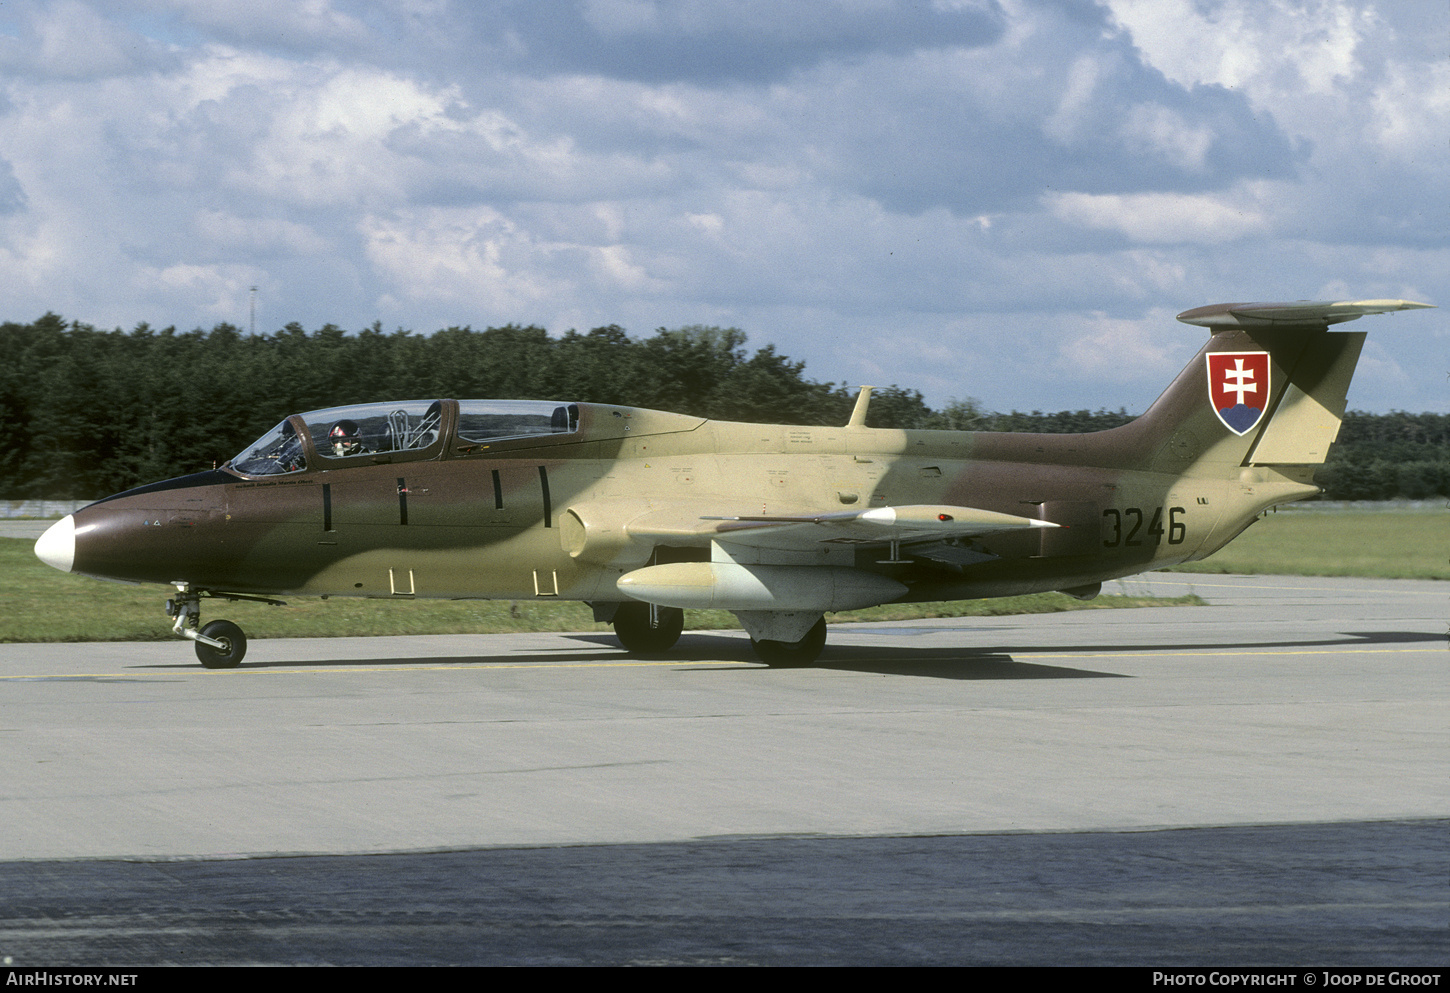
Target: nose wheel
232	642
219	645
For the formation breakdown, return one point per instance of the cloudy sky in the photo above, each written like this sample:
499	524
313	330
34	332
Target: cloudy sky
1001	199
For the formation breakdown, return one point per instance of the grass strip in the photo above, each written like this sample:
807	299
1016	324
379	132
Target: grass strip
1411	544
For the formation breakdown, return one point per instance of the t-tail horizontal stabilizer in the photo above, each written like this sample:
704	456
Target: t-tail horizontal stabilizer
1312	313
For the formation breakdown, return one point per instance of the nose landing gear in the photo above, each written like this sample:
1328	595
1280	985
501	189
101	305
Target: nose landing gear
219	645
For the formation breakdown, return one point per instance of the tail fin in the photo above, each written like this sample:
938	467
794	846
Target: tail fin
1267	389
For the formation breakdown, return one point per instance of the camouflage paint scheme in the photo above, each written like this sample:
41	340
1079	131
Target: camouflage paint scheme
779	523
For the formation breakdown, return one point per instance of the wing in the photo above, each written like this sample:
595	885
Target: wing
877	526
618	531
798	579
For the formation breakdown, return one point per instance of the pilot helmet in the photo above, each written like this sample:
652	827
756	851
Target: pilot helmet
344	439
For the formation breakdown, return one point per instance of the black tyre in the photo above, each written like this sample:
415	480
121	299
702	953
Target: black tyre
791	653
632	628
231	637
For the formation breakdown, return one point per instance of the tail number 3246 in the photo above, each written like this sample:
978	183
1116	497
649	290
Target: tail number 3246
1125	527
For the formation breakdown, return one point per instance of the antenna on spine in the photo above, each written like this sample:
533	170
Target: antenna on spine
858	415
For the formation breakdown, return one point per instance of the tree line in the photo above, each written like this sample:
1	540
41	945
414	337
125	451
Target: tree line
89	412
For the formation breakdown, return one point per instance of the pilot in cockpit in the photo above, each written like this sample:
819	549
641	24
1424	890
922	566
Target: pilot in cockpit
344	439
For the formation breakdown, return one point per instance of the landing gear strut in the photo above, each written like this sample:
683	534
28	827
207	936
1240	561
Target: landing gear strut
219	645
648	629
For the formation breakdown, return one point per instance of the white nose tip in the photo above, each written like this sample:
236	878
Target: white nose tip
57	547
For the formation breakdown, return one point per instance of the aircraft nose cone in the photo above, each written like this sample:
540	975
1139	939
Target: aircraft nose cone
57	547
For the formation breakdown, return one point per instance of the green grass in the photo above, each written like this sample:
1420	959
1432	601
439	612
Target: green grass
1398	544
41	604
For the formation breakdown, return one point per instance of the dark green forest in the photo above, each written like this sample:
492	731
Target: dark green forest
89	412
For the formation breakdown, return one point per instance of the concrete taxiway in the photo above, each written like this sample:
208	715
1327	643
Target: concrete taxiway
945	792
1286	700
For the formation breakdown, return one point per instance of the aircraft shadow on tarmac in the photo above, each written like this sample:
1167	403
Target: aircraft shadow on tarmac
939	663
709	651
994	663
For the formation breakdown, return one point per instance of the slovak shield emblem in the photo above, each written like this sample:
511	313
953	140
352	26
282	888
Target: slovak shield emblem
1238	388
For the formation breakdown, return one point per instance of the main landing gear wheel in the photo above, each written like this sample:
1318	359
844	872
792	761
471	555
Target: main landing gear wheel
792	653
640	637
228	657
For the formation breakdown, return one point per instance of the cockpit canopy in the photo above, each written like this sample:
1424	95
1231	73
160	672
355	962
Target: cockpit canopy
409	427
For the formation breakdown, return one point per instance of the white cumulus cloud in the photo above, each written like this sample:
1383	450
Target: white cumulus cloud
975	182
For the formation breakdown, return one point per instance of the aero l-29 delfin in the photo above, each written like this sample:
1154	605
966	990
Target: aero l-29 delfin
643	514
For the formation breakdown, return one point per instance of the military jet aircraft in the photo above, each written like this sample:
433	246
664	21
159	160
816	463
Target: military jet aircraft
644	514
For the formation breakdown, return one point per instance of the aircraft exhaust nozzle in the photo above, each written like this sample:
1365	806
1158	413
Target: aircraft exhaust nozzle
57	547
729	586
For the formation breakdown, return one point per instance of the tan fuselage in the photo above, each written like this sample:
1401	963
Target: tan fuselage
550	519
